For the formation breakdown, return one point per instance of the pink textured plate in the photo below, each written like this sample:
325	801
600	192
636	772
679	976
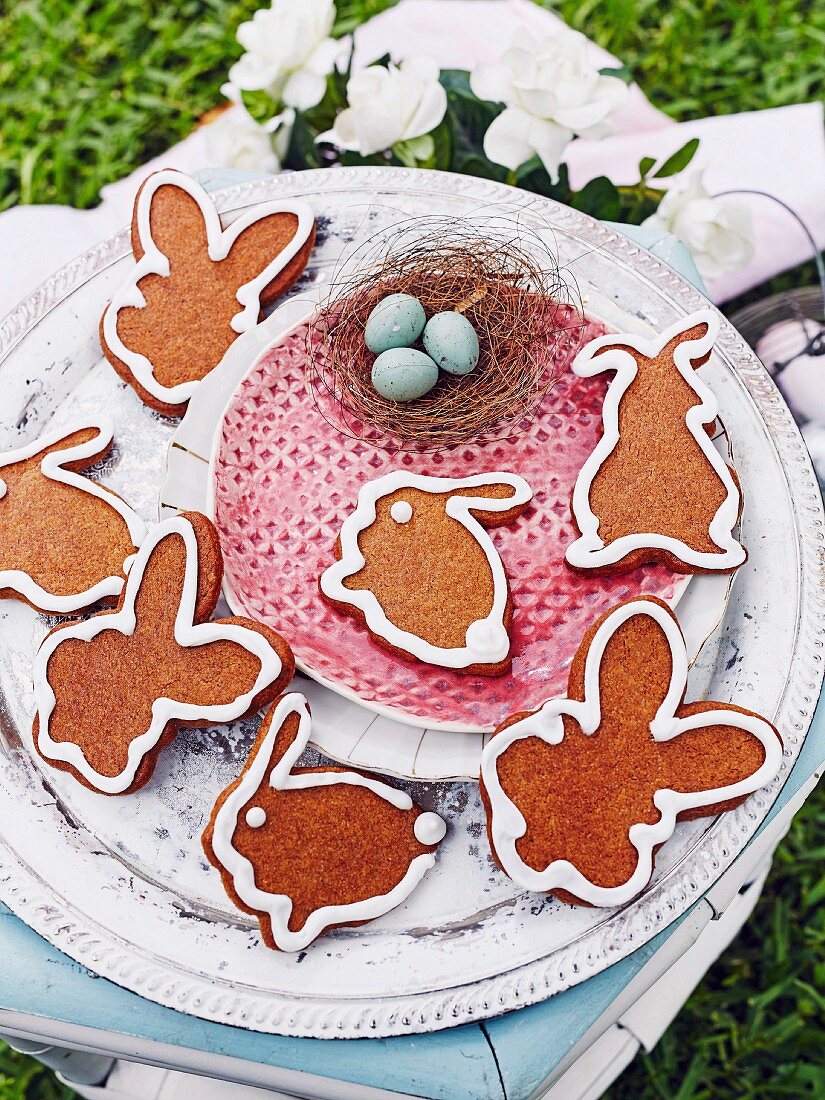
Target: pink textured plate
285	479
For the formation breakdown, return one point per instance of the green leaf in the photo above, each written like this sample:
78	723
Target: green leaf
302	151
457	81
621	73
468	119
415	152
261	105
679	160
645	164
532	165
599	198
538	181
443	142
349	158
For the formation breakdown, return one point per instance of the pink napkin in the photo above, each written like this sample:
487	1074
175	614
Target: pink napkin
781	150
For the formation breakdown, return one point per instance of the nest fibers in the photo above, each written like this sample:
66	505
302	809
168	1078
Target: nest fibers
513	295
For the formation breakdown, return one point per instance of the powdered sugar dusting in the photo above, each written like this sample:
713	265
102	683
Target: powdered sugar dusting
285	480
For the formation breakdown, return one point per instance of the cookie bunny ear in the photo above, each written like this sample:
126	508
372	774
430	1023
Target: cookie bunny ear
74	448
170	578
175	585
637	644
172	216
730	742
492	499
290	738
284	238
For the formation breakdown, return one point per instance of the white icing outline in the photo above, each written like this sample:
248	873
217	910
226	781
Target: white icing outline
487	642
187	634
278	907
219	244
52	468
508	823
589	551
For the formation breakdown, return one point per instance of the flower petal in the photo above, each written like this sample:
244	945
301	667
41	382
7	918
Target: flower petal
491	83
303	90
507	139
428	113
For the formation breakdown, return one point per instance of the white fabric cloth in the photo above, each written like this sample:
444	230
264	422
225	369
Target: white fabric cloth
781	151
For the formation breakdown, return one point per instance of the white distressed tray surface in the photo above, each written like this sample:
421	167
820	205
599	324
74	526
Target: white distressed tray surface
120	884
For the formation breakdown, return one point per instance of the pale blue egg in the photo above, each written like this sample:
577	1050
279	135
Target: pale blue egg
396	322
451	342
402	374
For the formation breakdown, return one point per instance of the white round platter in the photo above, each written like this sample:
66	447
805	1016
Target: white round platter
346	728
120	884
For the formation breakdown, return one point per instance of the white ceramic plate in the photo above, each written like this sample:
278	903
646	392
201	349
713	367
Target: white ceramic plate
121	885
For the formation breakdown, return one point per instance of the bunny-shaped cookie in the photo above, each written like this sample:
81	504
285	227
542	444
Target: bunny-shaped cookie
417	566
308	849
581	794
196	285
111	691
655	489
63	538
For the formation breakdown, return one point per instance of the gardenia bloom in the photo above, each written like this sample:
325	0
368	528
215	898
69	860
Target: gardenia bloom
388	105
718	232
289	52
236	140
551	94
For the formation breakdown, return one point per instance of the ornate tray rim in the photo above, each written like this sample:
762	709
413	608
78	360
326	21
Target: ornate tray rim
110	956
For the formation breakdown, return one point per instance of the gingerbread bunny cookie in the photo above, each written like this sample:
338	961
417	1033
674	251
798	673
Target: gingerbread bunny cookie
655	489
196	285
111	691
581	793
417	566
63	538
309	849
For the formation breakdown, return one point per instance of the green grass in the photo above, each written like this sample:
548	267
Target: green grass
706	57
23	1078
92	88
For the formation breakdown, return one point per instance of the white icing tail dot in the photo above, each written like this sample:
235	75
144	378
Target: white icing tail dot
255	817
429	828
487	639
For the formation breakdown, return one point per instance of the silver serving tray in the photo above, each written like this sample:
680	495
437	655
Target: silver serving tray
120	884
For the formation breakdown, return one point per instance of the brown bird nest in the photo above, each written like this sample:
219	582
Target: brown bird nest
515	299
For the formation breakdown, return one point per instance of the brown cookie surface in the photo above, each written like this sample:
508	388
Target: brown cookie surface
196	285
417	567
601	777
63	538
655	489
309	849
112	691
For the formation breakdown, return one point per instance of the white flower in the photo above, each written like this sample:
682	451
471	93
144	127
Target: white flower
389	105
551	93
718	232
289	52
235	140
